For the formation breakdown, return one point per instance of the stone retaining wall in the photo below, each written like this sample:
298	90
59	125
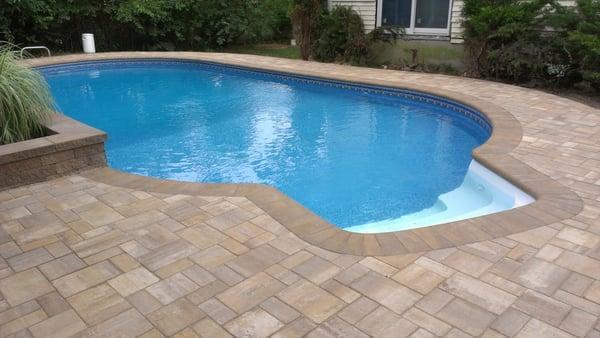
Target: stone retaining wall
70	147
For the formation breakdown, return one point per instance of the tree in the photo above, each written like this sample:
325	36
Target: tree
305	15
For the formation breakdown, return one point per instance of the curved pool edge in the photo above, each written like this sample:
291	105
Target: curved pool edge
554	202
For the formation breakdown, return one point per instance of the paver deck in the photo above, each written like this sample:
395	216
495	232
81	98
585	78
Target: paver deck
88	255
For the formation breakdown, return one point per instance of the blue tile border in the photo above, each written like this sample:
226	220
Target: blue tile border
473	114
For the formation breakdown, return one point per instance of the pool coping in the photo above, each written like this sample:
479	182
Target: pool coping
554	202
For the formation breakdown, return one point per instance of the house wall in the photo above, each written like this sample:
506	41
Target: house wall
456	27
430	53
367	9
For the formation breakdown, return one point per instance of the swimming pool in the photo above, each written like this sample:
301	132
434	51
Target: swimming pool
365	158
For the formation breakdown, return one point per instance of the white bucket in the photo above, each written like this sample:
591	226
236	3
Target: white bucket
87	40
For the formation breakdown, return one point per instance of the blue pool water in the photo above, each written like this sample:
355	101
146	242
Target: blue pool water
351	154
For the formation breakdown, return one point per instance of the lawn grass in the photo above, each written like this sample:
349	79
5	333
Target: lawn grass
270	49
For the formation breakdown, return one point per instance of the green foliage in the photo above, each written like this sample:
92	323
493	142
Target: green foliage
537	41
338	29
274	23
581	39
143	24
498	32
25	100
342	37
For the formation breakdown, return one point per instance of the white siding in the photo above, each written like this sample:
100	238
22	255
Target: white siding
456	27
567	2
365	8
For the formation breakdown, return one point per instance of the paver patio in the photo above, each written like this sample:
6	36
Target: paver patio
85	255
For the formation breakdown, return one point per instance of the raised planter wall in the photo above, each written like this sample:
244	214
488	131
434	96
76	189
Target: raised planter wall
70	147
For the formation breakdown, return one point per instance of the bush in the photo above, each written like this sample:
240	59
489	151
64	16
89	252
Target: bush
274	23
579	38
25	100
338	30
501	37
535	42
341	37
143	24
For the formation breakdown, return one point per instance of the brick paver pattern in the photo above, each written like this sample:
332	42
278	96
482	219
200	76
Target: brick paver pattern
84	258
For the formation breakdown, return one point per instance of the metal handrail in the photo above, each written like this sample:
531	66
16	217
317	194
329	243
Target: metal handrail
35	47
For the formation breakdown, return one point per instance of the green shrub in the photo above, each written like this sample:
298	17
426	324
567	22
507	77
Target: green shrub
338	30
342	37
25	100
273	22
535	42
143	24
578	35
501	37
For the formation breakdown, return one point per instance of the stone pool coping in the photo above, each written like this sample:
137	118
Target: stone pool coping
554	202
70	147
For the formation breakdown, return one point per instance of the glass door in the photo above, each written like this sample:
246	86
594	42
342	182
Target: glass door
432	14
416	16
396	13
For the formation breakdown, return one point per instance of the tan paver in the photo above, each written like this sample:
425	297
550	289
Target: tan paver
24	286
133	281
98	304
29	259
175	316
110	254
385	323
172	288
64	324
387	292
251	292
85	278
208	328
62	266
311	301
127	324
542	307
144	302
540	275
536	328
492	299
336	327
255	323
466	316
217	311
53	303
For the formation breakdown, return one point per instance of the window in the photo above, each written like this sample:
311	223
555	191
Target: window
416	16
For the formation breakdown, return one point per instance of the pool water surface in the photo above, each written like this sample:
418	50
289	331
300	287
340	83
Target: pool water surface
352	154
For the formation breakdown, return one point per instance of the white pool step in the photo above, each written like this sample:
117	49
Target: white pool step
481	193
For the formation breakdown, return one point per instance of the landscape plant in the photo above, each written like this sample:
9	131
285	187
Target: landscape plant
579	38
25	99
341	37
537	42
143	24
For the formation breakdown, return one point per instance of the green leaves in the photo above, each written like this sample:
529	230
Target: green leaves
341	37
533	41
25	100
143	24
